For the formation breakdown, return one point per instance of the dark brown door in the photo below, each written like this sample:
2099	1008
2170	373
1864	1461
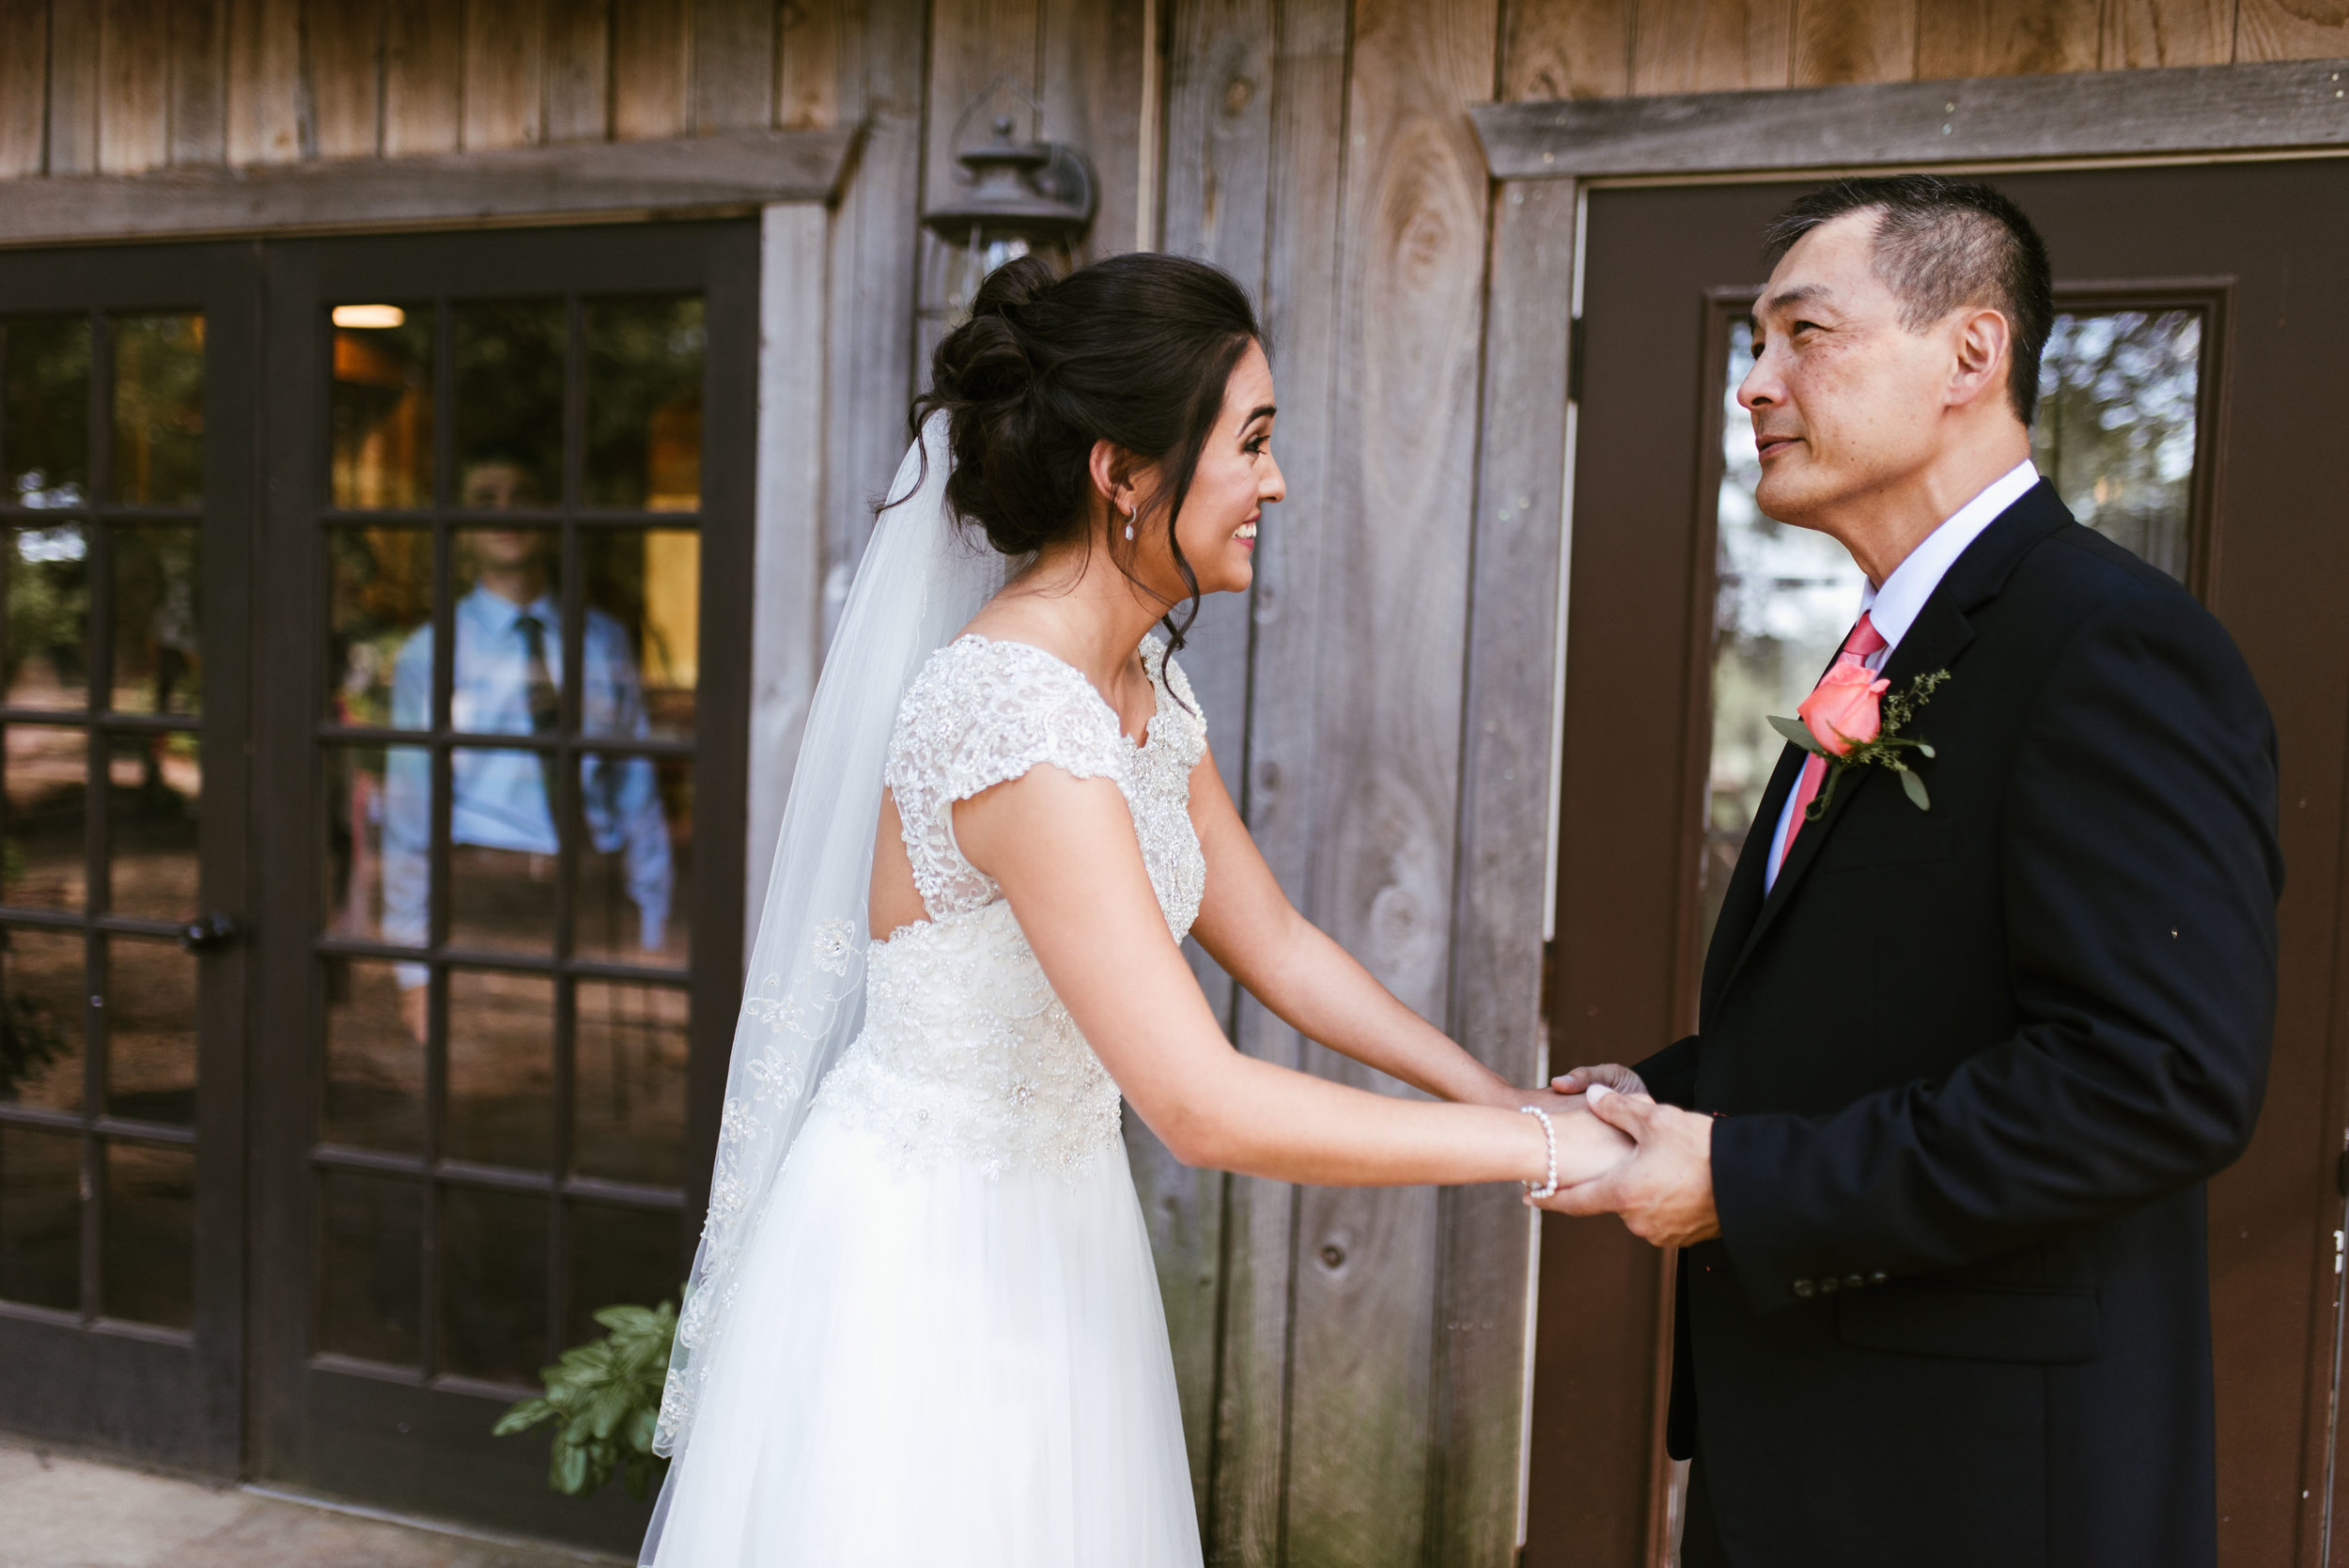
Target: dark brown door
2194	410
127	380
505	613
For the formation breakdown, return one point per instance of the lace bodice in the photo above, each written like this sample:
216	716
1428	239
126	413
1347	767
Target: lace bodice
966	1051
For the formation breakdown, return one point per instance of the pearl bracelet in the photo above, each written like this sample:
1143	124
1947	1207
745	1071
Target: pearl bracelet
1549	1135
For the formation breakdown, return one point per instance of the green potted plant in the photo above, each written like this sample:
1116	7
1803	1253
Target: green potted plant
604	1397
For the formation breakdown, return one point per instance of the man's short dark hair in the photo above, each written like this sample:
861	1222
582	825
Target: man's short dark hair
1941	244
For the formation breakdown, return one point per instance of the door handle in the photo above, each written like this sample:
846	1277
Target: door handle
207	933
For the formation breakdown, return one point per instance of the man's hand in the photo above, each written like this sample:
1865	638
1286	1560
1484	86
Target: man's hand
1622	1080
1664	1192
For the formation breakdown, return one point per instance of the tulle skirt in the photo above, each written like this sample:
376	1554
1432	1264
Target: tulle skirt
931	1368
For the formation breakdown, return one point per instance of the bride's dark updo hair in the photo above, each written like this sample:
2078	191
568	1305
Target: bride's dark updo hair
1134	350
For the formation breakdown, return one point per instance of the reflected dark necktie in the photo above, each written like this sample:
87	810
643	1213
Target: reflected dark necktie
546	708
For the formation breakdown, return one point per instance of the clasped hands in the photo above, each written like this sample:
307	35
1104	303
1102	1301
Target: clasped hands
1662	1188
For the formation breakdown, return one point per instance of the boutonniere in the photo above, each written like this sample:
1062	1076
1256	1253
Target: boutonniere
1850	722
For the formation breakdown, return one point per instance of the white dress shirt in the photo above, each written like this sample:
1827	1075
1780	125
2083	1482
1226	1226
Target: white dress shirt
1893	606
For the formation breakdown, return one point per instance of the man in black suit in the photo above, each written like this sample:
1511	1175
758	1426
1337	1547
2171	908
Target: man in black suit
1935	1159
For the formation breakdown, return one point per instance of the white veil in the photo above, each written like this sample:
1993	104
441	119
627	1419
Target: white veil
803	999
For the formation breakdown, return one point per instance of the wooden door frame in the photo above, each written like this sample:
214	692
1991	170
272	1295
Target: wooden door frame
1543	158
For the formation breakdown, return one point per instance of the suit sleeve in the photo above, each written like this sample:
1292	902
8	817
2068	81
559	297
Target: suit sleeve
1671	1073
2140	870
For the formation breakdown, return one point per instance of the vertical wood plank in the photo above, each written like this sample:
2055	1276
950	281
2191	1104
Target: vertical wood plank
504	74
1567	49
342	42
1410	291
135	94
2168	33
1092	88
579	70
1692	46
807	65
652	52
980	52
1854	41
424	76
2291	30
264	81
23	86
198	68
734	65
73	90
2006	38
1511	710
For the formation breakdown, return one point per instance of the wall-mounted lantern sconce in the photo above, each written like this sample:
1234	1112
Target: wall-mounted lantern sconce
1023	198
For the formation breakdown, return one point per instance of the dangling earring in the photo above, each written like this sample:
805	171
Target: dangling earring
1129	522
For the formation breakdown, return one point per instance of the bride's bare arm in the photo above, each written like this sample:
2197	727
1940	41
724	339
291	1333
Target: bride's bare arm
1063	851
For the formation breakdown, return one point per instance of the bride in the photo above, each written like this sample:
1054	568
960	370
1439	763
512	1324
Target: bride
924	1327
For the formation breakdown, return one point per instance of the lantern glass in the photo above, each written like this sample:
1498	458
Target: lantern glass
967	265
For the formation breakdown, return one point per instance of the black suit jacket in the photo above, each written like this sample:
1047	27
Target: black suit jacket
1975	1065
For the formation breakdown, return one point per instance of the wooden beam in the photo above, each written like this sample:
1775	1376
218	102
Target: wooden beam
521	185
2102	114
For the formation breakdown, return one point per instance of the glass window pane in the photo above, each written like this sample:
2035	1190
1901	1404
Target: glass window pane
371	1268
383	406
159	410
157	785
636	862
509	632
643	643
501	1069
509	404
44	1017
644	403
629	1082
149	1259
377	863
2116	427
158	657
44	411
41	1217
619	1257
45	862
151	1031
374	1031
493	1284
380	627
501	859
48	638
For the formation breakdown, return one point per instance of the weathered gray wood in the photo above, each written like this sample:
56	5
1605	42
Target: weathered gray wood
342	43
73	90
424	76
264	81
734	64
579	70
532	184
134	99
1092	89
651	65
2106	112
807	65
504	74
1513	703
198	68
24	85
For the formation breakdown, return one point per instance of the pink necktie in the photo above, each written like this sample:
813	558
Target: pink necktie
1862	645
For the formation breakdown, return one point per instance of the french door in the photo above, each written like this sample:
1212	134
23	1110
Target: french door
2192	408
126	513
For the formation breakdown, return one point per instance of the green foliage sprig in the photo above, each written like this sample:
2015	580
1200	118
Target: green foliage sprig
1883	752
606	1396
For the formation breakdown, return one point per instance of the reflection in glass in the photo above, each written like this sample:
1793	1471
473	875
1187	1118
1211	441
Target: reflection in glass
159	660
44	411
635	862
2115	431
41	1217
501	856
619	1258
628	1052
159	410
380	601
644	403
375	1079
151	1031
48	605
382	416
644	633
509	404
44	863
509	637
501	1069
493	1284
1784	599
44	1017
371	1268
148	1260
377	820
156	782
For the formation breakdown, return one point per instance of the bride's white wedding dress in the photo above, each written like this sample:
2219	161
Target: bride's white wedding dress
948	1349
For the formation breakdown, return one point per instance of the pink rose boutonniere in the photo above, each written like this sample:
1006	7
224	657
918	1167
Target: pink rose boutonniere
1848	720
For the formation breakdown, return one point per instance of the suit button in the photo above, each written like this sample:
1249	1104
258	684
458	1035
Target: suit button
1830	1285
1853	1281
1879	1278
1804	1289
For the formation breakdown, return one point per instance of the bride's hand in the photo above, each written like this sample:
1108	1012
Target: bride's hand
1587	1146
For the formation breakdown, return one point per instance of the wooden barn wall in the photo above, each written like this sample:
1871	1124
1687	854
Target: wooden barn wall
1352	1387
